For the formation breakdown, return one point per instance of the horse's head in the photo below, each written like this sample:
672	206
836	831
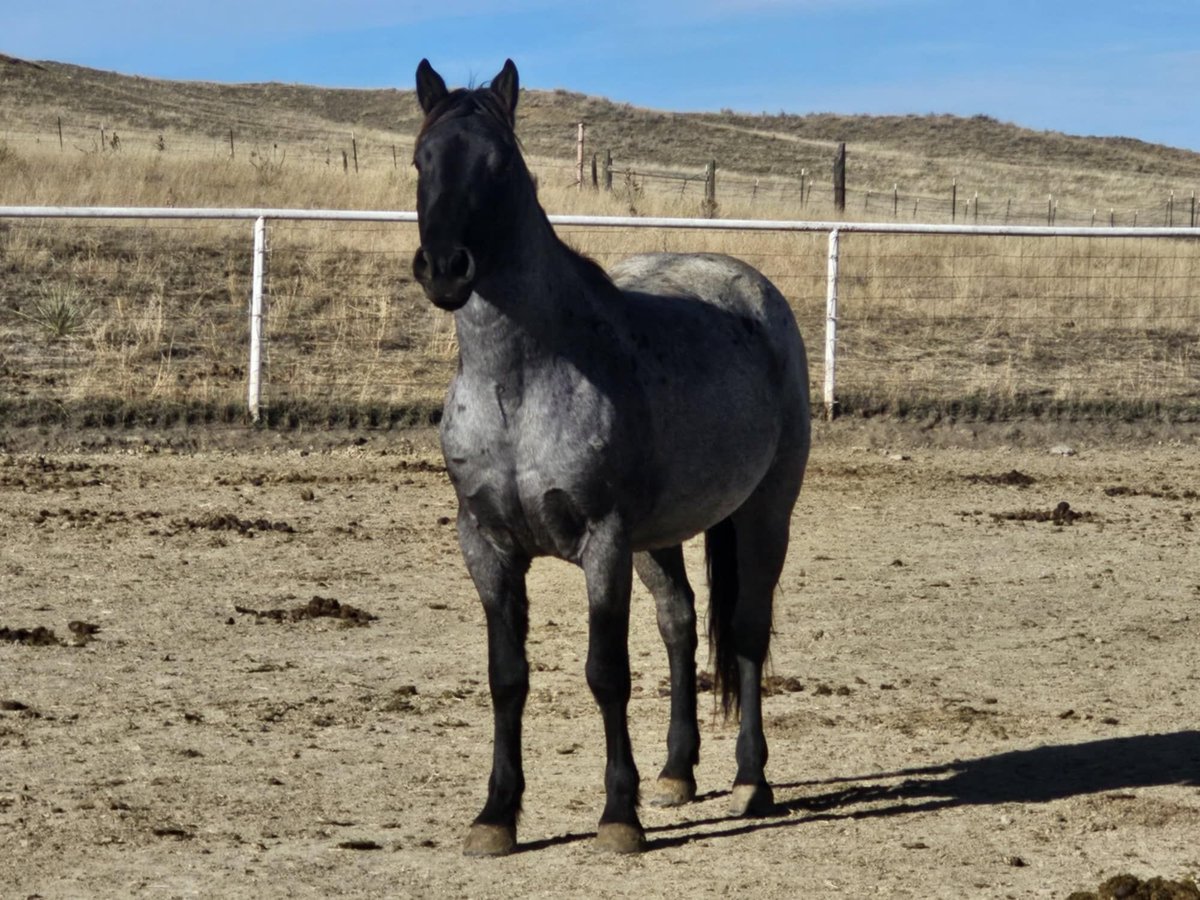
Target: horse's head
469	182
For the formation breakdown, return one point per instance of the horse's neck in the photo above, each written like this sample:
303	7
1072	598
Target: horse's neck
525	313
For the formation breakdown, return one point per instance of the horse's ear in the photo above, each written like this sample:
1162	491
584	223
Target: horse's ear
431	88
506	86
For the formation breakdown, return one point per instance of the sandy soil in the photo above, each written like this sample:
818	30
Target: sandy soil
974	697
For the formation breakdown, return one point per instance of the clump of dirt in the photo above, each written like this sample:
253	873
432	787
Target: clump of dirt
316	608
782	684
230	522
85	517
40	473
19	707
1124	490
82	632
1062	514
1130	887
41	636
1008	479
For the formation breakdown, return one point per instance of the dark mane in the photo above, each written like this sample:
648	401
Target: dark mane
592	271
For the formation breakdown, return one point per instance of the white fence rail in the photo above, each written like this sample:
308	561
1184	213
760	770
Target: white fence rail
261	219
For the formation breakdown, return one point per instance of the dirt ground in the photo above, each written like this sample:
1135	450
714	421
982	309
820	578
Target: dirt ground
977	691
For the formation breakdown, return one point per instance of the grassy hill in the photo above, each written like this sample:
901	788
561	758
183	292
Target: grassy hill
295	126
119	323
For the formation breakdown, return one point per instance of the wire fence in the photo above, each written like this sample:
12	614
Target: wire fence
105	321
282	146
812	198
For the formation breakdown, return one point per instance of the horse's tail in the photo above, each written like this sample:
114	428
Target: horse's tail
720	552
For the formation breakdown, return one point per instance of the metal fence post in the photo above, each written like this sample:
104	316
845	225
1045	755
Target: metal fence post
254	391
831	317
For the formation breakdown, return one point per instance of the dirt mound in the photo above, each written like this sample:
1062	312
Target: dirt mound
1012	478
1129	887
316	608
1062	514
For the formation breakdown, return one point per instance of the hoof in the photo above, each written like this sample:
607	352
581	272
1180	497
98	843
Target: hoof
490	840
752	800
673	792
617	837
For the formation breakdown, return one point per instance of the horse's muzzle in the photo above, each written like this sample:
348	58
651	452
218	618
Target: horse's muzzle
447	275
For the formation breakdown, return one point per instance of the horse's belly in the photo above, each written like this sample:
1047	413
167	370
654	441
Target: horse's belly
703	480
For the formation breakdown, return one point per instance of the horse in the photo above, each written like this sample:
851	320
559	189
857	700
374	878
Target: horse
604	419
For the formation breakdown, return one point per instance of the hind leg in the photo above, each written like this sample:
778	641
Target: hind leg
663	572
761	529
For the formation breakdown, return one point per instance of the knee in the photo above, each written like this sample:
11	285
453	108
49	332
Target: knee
608	680
677	623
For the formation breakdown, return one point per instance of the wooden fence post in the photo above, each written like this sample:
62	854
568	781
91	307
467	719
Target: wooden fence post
579	156
710	190
354	147
839	178
954	200
608	170
231	143
60	142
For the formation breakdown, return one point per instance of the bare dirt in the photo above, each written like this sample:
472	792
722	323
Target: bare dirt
261	672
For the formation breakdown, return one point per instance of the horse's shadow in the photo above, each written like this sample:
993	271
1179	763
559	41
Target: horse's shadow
1038	775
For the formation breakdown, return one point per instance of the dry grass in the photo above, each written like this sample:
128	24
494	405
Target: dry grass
126	322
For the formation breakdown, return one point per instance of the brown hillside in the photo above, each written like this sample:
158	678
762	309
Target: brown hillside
921	154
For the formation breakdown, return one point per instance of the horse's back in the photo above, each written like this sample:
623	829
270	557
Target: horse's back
739	297
727	284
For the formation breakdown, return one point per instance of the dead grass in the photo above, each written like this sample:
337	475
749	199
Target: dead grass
129	321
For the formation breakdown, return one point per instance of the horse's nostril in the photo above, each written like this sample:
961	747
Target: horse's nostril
420	264
461	264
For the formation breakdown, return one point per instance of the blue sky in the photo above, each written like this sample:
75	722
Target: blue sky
1099	67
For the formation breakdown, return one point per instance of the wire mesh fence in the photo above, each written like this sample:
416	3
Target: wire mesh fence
110	321
1020	324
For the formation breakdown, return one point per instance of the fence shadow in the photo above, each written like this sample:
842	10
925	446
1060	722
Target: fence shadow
1037	775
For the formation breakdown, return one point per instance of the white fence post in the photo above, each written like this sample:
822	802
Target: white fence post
831	317
254	398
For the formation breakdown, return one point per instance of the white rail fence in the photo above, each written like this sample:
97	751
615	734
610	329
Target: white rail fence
1154	296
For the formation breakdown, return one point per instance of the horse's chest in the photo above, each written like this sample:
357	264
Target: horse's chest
524	490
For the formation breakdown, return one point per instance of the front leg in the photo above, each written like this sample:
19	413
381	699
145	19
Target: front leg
499	577
608	567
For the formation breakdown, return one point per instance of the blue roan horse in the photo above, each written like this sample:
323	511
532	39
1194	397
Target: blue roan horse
605	421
